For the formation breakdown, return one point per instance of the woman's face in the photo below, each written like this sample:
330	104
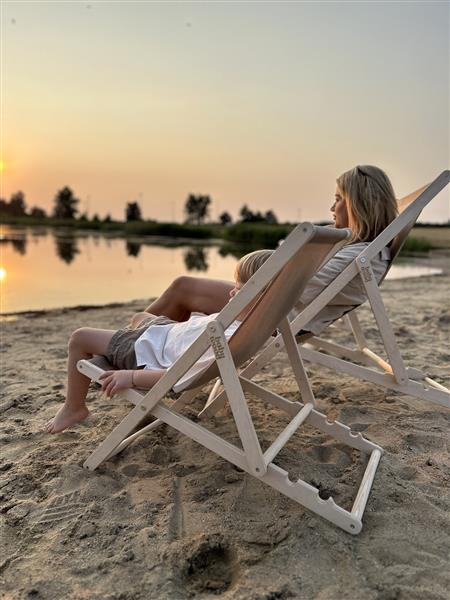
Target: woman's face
339	210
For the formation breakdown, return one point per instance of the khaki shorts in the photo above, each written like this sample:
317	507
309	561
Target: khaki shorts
120	352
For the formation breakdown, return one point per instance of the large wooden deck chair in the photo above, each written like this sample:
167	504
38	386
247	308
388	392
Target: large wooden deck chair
276	286
360	361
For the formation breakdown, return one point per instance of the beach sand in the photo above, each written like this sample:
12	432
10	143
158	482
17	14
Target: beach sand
167	519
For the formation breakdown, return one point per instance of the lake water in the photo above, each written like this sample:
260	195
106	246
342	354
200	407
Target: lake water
46	268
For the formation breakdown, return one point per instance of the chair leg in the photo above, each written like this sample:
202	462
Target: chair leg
383	322
296	361
236	398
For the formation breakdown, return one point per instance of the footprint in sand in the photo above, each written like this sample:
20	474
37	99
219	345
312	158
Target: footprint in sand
208	566
424	442
61	508
330	455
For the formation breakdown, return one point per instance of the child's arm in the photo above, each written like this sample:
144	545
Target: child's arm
115	381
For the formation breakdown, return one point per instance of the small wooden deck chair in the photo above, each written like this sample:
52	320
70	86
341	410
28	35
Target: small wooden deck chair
391	373
276	285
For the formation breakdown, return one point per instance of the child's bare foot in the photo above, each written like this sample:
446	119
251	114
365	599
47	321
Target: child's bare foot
66	417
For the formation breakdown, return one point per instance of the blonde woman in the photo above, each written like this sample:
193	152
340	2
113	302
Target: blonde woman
364	201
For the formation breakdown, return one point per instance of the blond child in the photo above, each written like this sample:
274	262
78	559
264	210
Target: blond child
143	351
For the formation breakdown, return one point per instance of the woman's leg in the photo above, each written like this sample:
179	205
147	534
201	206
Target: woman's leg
138	318
83	343
186	295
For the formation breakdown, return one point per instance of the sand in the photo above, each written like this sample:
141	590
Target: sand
169	519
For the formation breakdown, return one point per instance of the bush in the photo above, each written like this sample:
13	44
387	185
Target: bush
413	245
259	235
168	230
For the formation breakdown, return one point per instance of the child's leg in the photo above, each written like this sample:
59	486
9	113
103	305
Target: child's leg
84	343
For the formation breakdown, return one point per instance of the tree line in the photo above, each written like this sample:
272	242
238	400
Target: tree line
65	206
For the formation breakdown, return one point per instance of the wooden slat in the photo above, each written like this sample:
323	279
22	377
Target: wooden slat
236	398
287	433
364	489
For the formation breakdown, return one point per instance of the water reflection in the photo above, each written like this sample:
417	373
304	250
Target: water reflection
195	259
66	248
18	242
55	268
133	248
20	245
236	250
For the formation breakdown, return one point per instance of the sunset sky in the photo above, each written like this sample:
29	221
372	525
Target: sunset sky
249	102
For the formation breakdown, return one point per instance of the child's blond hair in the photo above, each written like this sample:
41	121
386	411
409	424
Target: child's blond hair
250	263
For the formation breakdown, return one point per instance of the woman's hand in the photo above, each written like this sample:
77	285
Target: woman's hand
113	382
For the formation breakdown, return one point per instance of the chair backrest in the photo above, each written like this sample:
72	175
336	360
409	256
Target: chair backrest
281	293
409	208
402	204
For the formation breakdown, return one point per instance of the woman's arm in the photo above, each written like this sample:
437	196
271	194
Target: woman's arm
186	295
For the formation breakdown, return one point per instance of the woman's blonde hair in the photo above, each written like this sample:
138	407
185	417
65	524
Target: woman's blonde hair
250	263
370	201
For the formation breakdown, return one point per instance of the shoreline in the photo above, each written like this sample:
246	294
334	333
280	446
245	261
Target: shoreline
66	309
443	261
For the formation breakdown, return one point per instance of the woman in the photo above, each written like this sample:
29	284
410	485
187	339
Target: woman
364	201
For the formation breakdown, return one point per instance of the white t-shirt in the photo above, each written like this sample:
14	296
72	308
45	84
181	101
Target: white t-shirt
353	294
160	346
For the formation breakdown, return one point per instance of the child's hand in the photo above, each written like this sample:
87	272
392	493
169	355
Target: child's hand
115	381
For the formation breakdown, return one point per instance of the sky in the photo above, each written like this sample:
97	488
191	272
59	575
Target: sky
257	103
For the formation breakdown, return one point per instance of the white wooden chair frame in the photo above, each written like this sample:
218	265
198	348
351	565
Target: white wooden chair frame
250	458
392	373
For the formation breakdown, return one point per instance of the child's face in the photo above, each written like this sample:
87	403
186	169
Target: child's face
237	286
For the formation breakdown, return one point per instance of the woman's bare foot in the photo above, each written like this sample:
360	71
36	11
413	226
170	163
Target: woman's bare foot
66	417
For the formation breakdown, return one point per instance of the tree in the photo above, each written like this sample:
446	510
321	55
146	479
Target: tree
225	218
196	208
38	213
107	219
133	212
248	216
17	206
270	217
65	204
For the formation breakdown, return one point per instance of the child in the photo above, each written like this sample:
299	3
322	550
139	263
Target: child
143	351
